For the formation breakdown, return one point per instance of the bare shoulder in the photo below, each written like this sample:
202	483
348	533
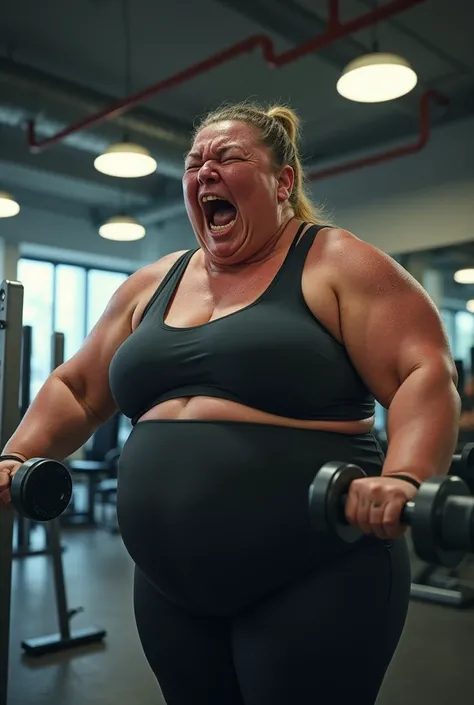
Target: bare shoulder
359	266
343	248
389	324
87	372
146	280
154	272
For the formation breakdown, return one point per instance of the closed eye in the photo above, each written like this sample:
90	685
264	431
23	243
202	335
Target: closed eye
198	165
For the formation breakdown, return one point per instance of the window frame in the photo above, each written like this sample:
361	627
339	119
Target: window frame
86	268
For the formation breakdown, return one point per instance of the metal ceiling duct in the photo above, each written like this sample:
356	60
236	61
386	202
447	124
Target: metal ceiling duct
161	212
335	30
28	94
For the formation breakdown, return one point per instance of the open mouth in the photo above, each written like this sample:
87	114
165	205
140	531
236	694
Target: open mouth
220	214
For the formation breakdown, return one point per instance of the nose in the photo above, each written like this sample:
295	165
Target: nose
207	174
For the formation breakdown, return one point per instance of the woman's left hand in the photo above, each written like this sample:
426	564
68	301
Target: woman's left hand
374	505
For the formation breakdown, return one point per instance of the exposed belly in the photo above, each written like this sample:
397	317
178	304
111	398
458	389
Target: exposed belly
212	409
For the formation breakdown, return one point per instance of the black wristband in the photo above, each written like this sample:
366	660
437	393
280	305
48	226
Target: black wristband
407	478
12	457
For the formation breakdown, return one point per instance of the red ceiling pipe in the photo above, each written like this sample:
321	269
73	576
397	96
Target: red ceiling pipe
335	30
423	137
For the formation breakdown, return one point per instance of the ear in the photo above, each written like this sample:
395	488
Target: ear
286	180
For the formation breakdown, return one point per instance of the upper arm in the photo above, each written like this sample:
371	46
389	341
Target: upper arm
389	324
87	372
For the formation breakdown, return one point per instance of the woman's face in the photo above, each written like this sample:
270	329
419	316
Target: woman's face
234	198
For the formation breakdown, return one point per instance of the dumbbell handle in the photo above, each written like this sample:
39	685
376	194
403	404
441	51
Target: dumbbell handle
457	511
406	514
463	463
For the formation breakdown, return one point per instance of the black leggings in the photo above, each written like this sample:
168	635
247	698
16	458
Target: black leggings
236	601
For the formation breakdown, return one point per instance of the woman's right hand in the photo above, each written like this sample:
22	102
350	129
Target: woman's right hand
7	469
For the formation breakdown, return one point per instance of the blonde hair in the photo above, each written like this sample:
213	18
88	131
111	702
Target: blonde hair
279	129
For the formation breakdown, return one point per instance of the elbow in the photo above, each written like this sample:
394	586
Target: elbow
441	376
453	386
78	390
434	376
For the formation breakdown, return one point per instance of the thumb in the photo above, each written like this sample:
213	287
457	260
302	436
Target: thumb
5	480
7	470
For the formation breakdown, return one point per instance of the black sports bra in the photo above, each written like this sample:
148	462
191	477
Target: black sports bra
272	355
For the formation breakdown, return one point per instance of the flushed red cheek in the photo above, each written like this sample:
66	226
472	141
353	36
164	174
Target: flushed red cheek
242	186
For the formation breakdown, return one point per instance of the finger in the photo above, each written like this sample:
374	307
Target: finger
4	479
363	513
351	506
391	519
5	498
376	518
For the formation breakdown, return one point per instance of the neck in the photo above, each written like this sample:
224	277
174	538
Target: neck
277	242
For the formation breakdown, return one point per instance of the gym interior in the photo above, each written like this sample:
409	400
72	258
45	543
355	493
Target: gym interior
87	80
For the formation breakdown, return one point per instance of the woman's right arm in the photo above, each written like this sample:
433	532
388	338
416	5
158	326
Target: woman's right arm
76	398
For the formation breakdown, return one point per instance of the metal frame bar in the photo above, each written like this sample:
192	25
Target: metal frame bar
65	638
11	315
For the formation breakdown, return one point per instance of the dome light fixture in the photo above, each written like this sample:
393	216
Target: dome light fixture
376	77
122	228
470	305
464	276
8	206
126	160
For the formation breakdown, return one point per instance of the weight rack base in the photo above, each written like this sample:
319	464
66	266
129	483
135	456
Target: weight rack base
462	597
39	646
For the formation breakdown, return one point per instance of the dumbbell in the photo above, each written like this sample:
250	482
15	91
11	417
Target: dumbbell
441	516
41	489
463	463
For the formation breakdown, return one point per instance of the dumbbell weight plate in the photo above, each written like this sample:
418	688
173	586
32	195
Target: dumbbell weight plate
41	489
326	494
467	460
427	520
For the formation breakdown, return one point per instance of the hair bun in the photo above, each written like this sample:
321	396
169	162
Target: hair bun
288	119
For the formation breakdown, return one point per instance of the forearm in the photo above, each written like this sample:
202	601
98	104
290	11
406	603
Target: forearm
56	424
422	425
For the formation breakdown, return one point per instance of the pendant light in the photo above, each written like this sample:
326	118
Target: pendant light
8	206
122	228
126	159
464	276
376	77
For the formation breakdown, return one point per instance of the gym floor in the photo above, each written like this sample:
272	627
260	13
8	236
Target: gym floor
433	665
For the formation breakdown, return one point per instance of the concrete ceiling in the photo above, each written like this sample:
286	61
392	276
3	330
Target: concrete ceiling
62	61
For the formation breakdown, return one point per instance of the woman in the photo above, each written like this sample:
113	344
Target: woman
245	364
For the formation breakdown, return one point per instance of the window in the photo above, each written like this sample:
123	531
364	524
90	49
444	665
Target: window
61	298
447	317
70	306
38	312
464	337
101	286
380	417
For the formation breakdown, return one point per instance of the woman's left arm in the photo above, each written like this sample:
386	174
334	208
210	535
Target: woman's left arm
393	333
